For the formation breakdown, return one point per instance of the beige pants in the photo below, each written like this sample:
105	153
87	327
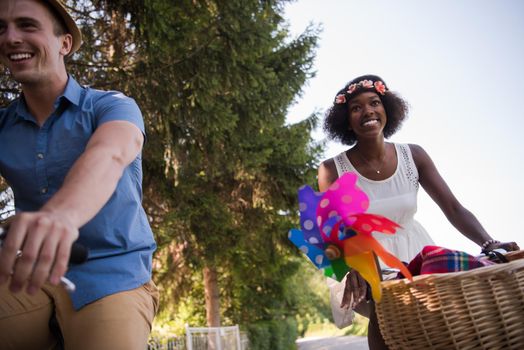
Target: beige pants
119	321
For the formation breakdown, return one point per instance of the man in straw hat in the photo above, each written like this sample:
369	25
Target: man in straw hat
72	156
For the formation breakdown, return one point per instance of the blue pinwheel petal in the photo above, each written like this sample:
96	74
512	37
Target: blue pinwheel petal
315	254
308	200
330	223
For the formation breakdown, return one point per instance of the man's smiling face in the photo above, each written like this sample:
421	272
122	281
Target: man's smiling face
29	45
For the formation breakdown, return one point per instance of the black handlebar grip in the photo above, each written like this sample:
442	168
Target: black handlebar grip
79	254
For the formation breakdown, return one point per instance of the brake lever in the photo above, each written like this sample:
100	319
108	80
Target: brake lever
496	255
389	271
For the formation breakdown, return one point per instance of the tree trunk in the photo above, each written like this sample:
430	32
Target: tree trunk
212	297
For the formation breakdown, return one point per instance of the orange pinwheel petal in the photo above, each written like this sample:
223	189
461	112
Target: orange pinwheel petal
392	261
365	264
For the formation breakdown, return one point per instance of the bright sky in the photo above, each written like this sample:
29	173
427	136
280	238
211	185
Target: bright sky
459	64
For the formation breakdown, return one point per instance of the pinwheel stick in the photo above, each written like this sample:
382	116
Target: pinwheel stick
377	264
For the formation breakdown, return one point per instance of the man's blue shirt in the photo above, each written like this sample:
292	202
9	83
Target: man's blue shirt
35	160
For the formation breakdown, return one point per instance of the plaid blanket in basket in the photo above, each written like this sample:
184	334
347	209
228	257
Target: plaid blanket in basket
434	259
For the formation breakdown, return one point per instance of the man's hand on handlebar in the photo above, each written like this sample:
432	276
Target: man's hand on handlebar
36	250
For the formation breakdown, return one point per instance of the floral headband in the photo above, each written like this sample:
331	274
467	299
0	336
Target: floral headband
379	86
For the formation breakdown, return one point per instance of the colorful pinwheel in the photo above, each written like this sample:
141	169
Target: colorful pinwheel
336	232
310	241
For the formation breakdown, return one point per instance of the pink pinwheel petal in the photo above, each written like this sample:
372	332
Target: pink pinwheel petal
343	198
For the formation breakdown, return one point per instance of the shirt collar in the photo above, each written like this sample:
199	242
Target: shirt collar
72	93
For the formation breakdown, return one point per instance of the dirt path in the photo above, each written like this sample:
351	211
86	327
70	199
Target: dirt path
333	343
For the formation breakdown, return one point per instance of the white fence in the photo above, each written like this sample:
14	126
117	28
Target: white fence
213	338
171	343
204	338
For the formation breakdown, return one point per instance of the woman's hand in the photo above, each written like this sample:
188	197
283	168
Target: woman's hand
507	246
354	291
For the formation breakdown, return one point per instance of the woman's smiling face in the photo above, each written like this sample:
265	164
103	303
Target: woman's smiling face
367	116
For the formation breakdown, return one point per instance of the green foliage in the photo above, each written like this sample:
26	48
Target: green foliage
6	201
274	334
8	88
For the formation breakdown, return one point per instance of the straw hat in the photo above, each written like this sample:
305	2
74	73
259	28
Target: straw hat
69	22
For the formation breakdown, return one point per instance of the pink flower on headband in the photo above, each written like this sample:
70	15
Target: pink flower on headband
340	99
368	84
380	87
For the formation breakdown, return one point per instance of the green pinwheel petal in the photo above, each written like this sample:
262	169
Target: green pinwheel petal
339	268
328	272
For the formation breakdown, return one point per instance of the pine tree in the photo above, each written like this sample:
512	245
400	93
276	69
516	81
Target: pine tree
233	162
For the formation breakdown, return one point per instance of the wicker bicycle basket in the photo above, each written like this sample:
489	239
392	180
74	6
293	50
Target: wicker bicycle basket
476	309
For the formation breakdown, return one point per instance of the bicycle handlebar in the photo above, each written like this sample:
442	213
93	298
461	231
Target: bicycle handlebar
79	254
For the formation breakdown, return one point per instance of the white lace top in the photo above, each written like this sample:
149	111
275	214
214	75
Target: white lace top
396	199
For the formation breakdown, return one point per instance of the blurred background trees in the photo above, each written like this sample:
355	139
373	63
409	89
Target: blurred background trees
214	80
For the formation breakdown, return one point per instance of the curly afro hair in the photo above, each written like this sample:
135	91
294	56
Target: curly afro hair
336	123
